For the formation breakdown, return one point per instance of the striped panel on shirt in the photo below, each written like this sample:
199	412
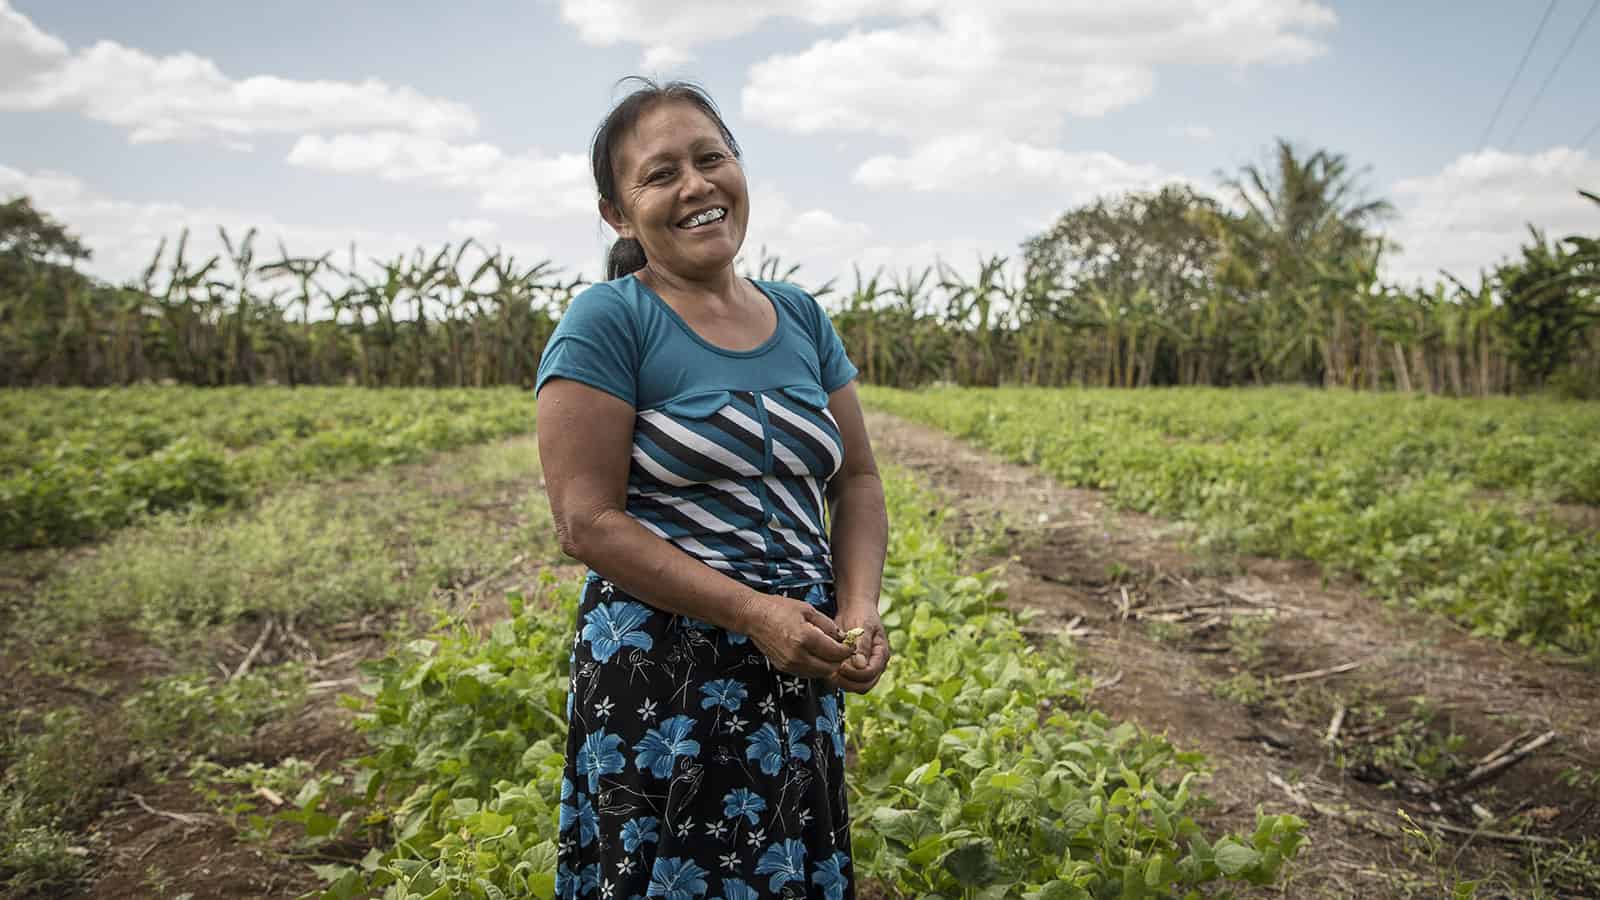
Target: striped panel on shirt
699	476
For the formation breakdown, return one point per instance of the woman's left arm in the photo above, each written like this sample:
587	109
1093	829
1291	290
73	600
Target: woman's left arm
859	542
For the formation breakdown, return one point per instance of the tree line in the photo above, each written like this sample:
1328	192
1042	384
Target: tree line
1276	282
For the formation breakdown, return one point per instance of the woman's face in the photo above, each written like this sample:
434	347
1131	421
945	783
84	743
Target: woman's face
682	192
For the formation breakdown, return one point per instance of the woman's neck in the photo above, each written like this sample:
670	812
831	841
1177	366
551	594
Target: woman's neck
725	286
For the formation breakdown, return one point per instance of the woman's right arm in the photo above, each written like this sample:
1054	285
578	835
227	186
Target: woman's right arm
585	447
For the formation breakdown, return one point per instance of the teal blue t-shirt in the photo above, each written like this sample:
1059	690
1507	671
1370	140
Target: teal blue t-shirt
622	338
732	450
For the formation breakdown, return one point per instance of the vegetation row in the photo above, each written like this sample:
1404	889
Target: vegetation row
1277	279
1359	491
976	770
81	462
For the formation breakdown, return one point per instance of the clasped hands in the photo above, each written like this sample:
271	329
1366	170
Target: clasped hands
799	639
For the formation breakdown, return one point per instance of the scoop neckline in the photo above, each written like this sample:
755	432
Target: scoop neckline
763	347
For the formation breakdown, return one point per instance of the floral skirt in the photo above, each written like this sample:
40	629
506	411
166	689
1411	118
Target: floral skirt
695	768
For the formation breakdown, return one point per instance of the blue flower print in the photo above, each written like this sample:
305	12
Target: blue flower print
571	884
582	815
566	787
727	693
676	878
611	626
829	875
765	749
743	802
797	739
736	889
817	596
638	831
690	622
785	861
828	723
600	756
661	746
588	822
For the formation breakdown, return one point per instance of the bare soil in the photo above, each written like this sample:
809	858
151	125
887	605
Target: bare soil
155	837
1230	655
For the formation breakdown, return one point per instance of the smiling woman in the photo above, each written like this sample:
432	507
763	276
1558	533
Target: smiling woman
705	456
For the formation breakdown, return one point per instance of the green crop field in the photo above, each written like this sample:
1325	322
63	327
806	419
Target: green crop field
191	565
1387	488
83	461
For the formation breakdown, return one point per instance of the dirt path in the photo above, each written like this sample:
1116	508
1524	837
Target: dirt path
1232	656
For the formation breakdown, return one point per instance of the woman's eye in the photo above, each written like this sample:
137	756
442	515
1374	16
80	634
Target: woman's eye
713	156
658	175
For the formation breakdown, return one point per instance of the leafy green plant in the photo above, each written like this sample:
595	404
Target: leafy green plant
54	774
1243	688
179	717
971	774
92	461
1381	487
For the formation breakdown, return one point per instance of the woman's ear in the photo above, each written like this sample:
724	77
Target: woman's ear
613	217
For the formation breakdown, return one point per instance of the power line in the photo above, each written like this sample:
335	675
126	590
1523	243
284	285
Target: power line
1538	95
1587	136
1506	95
1442	220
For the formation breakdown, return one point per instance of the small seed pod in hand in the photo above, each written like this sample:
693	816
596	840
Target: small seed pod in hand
853	635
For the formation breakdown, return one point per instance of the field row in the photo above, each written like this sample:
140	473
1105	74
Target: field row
1353	483
88	461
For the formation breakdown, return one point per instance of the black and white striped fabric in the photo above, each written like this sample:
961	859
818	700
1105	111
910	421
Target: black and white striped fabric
736	479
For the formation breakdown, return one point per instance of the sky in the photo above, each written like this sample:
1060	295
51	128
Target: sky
876	133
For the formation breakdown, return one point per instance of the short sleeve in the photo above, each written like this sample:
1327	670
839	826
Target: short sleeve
837	370
595	343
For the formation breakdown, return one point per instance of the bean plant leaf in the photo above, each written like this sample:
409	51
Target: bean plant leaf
973	864
1234	858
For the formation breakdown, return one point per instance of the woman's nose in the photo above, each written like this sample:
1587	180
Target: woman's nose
695	183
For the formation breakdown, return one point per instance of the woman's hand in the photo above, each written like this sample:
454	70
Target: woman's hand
794	635
871	655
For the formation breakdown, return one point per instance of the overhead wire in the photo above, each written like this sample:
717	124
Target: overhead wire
1442	220
1587	136
1544	85
1522	64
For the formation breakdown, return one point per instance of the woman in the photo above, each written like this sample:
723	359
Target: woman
705	455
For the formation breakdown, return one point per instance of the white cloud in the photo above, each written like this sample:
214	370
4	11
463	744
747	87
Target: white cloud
481	229
607	22
664	58
922	80
184	96
1476	211
25	50
983	164
1014	67
816	239
123	235
529	184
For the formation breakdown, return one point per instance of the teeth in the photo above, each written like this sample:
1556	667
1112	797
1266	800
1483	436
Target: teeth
710	215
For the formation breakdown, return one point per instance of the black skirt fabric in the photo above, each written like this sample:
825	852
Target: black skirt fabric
694	768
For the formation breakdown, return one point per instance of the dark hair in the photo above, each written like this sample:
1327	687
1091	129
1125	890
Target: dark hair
627	254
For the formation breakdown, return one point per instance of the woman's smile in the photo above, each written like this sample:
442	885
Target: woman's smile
685	197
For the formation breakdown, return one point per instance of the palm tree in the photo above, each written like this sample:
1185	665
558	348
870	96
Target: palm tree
1302	216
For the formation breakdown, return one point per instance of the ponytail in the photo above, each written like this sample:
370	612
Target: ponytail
625	258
